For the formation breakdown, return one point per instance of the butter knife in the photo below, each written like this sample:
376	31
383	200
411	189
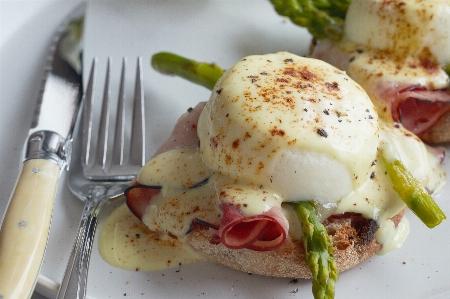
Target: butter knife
26	223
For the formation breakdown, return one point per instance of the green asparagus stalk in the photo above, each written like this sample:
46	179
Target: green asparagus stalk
318	250
447	69
205	74
322	18
413	194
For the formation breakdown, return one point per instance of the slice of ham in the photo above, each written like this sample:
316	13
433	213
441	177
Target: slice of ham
328	51
418	109
139	196
184	134
263	232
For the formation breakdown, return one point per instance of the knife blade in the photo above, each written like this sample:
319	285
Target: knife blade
26	223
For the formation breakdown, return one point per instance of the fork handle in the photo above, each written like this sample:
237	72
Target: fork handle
26	226
74	282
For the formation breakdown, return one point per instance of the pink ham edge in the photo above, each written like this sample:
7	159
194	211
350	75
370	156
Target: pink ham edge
184	134
419	109
263	232
138	198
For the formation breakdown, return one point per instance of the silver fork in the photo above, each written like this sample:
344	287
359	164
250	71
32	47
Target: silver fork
98	174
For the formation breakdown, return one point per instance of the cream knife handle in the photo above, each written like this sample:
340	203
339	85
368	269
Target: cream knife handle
25	228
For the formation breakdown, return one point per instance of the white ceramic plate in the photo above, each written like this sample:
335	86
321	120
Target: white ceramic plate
214	31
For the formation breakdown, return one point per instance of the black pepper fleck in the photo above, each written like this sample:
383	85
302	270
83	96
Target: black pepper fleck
322	133
333	85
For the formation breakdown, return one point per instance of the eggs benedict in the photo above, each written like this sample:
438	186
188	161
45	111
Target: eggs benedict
399	52
280	129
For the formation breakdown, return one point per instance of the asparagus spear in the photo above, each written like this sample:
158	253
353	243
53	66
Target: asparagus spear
413	194
205	74
319	251
322	18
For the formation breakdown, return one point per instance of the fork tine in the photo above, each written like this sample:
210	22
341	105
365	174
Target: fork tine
102	146
88	113
137	150
119	136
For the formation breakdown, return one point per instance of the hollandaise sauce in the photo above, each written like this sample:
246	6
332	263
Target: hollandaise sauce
125	242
